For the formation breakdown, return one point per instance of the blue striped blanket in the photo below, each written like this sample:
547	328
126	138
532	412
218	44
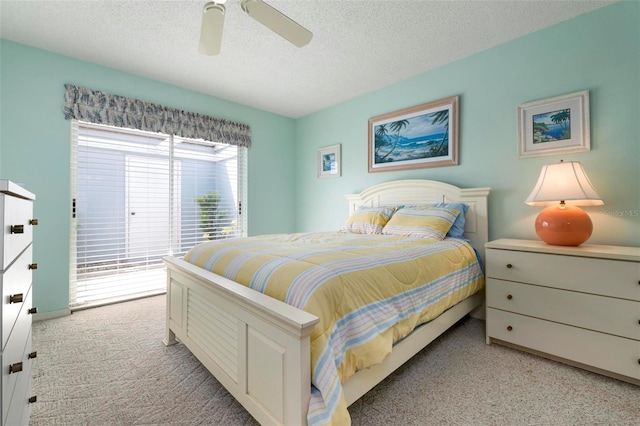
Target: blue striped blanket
369	291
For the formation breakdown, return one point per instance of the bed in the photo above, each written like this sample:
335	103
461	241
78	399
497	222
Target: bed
259	347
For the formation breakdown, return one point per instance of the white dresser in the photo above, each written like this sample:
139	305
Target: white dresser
16	218
579	305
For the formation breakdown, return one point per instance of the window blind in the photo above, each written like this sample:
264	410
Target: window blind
139	196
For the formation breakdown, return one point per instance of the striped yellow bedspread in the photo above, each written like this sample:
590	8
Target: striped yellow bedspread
369	291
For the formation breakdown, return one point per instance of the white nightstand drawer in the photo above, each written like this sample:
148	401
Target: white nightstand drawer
606	314
607	277
616	354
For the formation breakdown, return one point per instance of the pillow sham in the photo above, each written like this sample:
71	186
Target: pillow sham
367	220
421	222
457	229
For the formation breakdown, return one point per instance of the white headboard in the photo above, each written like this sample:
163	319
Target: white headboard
417	191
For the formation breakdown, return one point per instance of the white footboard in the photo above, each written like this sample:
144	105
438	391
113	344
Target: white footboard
256	346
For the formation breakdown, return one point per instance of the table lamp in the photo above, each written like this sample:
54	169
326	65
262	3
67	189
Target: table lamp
561	188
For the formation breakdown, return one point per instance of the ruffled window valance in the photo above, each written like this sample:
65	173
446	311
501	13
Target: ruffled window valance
103	108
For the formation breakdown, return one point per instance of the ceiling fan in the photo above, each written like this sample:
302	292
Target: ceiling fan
213	22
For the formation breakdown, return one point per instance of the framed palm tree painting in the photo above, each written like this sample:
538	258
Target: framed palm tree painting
421	136
553	126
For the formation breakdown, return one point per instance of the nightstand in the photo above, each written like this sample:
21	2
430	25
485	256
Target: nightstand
578	305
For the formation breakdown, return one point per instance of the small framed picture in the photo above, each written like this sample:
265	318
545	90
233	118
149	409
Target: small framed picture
417	137
329	161
554	126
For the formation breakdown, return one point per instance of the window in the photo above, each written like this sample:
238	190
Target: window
139	196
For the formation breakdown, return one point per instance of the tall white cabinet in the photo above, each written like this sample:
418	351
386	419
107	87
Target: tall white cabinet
16	268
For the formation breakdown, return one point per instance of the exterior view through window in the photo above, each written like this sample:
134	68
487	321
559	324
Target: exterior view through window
139	196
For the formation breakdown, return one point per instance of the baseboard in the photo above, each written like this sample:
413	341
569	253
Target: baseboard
51	315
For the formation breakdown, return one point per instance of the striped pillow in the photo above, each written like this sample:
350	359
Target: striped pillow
457	229
421	222
367	220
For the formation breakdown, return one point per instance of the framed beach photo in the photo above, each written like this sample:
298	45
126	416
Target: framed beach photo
329	161
553	126
421	136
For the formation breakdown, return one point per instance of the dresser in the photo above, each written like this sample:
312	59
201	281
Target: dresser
579	305
16	267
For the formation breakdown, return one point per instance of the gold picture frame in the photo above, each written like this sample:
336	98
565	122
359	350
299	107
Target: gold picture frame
418	137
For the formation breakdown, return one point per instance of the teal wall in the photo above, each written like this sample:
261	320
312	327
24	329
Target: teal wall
35	150
598	51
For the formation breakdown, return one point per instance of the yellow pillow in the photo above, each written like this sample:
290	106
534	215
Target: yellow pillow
367	220
421	222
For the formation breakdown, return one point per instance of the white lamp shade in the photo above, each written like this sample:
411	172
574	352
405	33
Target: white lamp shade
564	182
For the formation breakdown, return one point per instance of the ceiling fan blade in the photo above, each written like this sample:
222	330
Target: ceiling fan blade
211	30
277	22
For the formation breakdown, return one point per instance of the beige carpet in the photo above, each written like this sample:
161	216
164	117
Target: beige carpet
108	366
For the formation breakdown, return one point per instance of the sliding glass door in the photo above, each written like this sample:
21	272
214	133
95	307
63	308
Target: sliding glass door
138	196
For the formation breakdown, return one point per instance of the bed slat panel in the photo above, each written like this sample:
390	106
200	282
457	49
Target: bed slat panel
208	325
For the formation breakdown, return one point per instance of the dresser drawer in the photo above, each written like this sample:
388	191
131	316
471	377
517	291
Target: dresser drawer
615	278
18	410
15	285
15	352
15	217
26	411
603	351
605	314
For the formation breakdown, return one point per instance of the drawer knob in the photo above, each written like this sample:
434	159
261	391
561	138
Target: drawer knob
33	355
509	328
15	298
33	266
17	229
33	222
33	399
33	310
509	266
509	297
15	368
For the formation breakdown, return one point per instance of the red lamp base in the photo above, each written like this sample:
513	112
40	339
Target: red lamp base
563	225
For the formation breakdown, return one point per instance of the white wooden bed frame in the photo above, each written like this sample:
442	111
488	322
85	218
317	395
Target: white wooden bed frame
259	347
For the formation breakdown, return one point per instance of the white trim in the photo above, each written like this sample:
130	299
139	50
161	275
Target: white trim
51	315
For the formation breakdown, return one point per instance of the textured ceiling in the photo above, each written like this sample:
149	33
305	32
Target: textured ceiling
358	46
